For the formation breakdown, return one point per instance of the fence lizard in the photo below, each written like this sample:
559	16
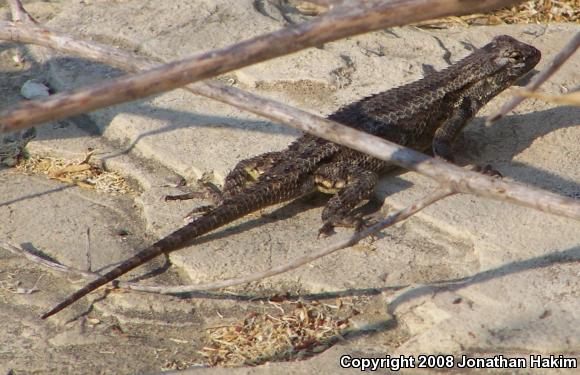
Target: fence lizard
426	114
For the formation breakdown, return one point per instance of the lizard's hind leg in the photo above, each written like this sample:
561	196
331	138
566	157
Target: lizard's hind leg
208	191
247	172
351	184
244	174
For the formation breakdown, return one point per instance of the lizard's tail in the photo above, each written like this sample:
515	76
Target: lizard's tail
214	219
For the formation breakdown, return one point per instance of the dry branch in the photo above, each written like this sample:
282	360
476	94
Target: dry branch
352	18
564	99
465	181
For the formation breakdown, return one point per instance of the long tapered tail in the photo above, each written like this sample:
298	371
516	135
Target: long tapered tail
216	218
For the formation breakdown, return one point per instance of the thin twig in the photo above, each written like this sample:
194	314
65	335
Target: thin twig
572	98
465	181
349	19
552	68
88	249
17	250
19	14
445	173
355	238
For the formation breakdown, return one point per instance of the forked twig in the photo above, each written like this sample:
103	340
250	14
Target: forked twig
17	250
572	98
19	14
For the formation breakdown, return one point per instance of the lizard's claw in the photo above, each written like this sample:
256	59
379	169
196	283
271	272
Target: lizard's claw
357	222
207	191
365	223
326	230
487	170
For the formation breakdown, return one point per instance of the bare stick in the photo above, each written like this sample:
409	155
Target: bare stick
17	250
469	182
445	173
352	18
572	98
355	238
553	66
19	14
88	249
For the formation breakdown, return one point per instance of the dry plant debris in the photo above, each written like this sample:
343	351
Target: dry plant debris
289	331
309	8
536	11
566	99
83	173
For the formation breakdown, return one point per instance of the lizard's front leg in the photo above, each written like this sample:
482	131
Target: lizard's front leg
446	134
351	184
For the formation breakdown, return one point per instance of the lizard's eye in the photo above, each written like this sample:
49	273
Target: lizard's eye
514	55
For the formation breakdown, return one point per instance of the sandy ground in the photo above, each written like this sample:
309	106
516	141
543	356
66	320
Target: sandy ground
520	294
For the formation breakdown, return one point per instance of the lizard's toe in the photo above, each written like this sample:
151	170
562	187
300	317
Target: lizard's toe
487	170
366	223
353	221
185	196
326	230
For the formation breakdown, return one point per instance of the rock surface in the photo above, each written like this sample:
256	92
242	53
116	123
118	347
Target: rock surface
465	276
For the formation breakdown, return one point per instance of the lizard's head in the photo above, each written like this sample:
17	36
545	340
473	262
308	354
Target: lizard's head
510	58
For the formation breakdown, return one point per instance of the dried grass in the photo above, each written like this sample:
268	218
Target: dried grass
566	99
83	173
288	331
537	11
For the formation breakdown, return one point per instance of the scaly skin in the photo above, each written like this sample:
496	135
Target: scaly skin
428	113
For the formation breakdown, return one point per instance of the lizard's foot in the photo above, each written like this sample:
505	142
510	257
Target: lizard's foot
486	170
354	221
326	230
367	222
208	191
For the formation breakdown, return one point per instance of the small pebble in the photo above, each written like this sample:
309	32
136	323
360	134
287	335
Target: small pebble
34	90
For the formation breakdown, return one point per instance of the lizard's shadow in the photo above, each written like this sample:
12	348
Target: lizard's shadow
501	142
571	255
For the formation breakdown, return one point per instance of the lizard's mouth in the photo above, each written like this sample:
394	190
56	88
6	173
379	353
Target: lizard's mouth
525	79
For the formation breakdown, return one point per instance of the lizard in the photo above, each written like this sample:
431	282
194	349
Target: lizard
424	115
